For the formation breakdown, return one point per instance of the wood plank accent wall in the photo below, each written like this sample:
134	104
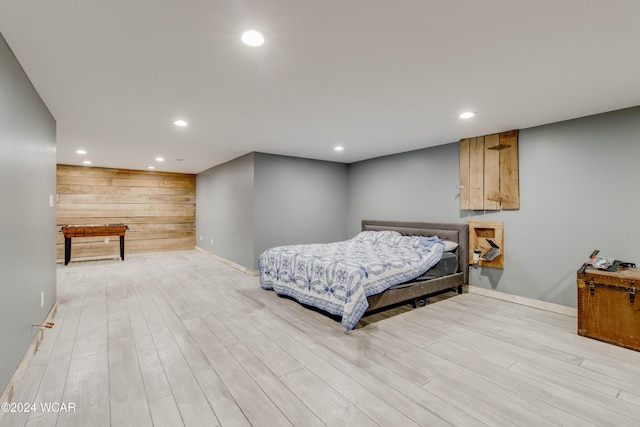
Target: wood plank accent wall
158	207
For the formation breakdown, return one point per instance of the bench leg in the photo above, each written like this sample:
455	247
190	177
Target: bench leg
67	250
122	247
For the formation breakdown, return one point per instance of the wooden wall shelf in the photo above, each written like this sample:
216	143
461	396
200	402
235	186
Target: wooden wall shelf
479	232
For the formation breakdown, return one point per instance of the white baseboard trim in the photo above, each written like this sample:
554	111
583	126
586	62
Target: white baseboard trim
18	375
530	302
230	263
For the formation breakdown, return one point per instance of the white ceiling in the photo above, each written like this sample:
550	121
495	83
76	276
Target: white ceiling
376	76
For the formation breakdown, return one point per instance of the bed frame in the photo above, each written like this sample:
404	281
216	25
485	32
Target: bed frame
446	231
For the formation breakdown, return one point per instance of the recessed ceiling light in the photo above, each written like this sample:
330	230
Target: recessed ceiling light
86	162
151	167
159	159
180	123
81	152
252	38
467	115
338	148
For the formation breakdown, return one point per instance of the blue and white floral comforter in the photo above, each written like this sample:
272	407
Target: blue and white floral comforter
338	277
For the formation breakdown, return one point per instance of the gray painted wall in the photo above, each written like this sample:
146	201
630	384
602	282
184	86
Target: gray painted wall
298	201
27	223
578	184
419	185
224	210
257	201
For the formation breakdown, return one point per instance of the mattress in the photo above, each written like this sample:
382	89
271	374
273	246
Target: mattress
448	264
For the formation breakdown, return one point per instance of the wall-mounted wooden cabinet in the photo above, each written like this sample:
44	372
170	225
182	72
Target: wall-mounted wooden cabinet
489	172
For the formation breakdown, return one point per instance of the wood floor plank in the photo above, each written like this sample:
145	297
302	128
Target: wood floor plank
257	406
193	405
323	401
396	349
165	412
177	338
273	356
216	391
47	420
388	387
286	325
629	397
92	336
493	403
587	394
537	343
153	375
568	404
128	401
623	373
292	408
426	334
87	388
378	356
222	402
270	299
566	371
491	410
370	404
221	332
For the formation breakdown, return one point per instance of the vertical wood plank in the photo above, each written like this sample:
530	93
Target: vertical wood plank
476	173
464	174
509	170
492	172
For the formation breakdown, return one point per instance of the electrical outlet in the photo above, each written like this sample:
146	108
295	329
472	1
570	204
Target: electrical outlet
106	240
212	240
201	237
41	299
50	200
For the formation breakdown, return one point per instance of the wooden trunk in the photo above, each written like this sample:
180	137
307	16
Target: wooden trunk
607	306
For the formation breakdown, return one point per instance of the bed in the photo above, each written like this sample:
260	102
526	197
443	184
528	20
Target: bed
387	263
453	232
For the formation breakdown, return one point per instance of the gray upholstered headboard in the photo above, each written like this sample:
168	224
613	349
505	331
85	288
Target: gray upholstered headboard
446	231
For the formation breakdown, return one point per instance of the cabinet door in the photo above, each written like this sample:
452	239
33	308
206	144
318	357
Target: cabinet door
489	172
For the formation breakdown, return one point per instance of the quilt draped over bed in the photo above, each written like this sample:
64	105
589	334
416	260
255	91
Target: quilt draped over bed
338	277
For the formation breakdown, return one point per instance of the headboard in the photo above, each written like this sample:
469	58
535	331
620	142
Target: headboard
446	231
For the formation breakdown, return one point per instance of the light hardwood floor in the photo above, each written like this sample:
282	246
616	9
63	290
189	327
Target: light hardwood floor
176	338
